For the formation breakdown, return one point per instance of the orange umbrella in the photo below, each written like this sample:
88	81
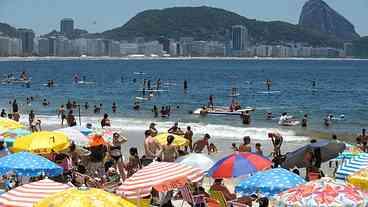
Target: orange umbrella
96	140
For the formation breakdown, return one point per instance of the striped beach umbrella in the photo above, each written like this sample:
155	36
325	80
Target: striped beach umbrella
239	164
28	194
156	173
351	166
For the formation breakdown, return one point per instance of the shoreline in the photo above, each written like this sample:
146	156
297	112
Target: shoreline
35	58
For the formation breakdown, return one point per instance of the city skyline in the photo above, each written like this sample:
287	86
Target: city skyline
43	16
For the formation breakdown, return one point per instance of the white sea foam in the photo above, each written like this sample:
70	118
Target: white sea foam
217	131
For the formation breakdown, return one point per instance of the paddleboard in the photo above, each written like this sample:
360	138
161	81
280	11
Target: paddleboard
139	73
141	98
160	90
290	123
86	82
234	95
268	92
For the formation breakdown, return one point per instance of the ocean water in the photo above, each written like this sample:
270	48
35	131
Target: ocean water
341	88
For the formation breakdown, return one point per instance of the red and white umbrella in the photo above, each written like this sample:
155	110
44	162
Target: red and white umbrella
141	183
28	194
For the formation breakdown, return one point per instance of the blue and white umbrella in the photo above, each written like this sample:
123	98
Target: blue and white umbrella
27	164
351	166
269	183
197	160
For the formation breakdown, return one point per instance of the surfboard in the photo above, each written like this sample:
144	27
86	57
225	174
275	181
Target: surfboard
234	95
86	82
139	73
160	90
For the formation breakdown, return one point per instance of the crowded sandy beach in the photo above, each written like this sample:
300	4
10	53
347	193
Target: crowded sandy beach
159	139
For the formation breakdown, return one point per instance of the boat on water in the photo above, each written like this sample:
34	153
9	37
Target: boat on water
221	111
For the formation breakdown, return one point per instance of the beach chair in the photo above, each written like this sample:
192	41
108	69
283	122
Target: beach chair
188	196
219	196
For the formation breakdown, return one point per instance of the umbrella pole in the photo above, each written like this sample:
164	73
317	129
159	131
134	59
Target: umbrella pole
79	115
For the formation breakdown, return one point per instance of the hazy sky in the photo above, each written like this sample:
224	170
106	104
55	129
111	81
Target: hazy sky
45	15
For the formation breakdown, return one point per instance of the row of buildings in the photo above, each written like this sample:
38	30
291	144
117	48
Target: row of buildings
63	44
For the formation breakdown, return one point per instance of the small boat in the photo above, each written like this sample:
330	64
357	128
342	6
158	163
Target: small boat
222	111
15	81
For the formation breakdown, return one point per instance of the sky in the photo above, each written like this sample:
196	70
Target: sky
99	15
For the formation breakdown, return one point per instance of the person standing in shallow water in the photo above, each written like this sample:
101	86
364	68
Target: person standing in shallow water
114	107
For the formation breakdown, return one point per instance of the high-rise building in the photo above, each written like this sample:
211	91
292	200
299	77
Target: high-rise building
27	37
239	37
67	26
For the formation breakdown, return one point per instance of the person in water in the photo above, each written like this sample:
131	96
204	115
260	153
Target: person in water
268	83
245	117
210	102
199	145
185	85
305	121
114	107
155	111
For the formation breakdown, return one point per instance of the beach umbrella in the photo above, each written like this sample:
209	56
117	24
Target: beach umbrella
322	193
43	142
141	183
84	197
10	135
352	166
27	164
269	183
239	164
179	141
328	150
75	136
359	179
28	194
350	152
6	124
108	134
84	130
96	140
196	160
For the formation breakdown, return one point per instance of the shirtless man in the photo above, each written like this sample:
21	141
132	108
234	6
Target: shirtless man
199	145
151	146
175	129
189	136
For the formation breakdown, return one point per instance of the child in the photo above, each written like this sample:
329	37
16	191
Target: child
259	150
234	147
213	148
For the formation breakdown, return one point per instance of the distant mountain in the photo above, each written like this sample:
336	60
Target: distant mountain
318	15
207	23
360	47
7	30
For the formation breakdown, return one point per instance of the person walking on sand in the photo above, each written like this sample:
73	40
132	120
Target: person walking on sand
61	114
277	141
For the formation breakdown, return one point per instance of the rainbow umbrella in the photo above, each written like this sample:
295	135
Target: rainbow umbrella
322	193
239	164
359	179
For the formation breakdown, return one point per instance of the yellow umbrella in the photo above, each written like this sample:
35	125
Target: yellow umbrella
42	142
178	140
84	197
6	124
359	179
